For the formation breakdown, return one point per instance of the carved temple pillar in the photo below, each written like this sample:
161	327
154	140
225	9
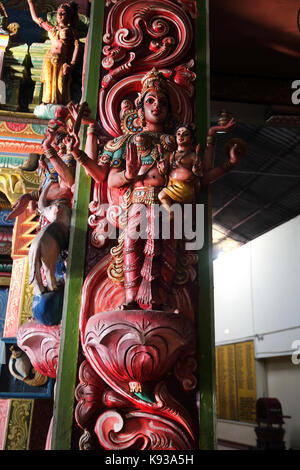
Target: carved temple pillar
139	384
205	331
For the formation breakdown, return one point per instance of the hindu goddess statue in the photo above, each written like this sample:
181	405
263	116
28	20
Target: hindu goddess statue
138	161
61	58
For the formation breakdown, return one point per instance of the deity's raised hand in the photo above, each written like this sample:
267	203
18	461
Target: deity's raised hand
66	68
73	142
133	162
49	138
19	206
222	128
80	113
237	150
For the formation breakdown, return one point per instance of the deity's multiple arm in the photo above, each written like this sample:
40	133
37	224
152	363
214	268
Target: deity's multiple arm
91	145
65	173
209	152
97	172
3	10
34	15
236	152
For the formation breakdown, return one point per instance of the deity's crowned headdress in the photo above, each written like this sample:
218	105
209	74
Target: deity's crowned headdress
153	80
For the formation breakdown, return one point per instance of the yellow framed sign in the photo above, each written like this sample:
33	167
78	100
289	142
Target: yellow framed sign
236	381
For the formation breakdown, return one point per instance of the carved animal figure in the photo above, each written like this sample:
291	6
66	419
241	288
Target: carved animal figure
19	364
20	367
49	242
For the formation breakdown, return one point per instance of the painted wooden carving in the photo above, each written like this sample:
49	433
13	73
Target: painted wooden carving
50	241
135	324
41	344
20	367
137	321
137	384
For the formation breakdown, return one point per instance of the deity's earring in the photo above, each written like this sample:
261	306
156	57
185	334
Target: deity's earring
142	117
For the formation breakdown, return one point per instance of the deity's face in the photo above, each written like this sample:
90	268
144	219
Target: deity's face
183	137
156	107
62	17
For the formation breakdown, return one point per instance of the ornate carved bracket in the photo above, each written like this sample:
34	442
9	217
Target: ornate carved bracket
41	344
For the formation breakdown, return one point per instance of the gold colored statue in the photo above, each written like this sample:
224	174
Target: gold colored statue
61	58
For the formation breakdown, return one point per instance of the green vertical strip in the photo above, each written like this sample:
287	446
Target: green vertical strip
206	339
67	366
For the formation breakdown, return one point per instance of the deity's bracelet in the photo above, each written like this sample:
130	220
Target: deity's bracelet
227	165
50	153
122	174
210	139
92	129
81	157
35	194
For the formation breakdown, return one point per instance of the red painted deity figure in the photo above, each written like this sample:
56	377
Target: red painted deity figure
137	319
137	161
147	162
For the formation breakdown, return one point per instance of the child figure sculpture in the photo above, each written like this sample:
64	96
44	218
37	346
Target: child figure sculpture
185	170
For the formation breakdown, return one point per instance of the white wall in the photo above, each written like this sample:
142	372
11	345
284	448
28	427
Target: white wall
257	292
232	296
275	263
241	433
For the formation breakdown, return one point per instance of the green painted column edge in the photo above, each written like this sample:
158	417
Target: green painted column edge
63	411
206	338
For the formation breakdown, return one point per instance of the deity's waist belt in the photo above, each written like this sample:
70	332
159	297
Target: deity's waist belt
56	58
147	195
